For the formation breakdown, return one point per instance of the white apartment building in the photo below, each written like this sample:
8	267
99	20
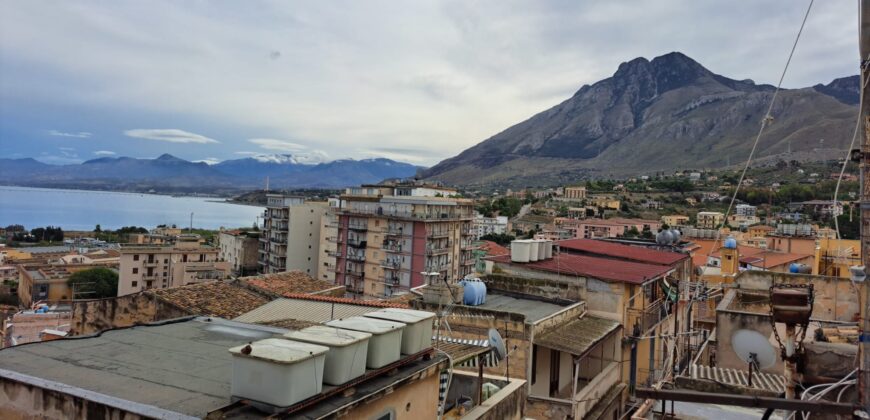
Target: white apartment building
489	225
745	210
328	242
239	249
290	239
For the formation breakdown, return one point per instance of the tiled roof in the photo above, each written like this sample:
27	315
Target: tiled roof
217	298
288	282
626	252
491	248
595	267
763	257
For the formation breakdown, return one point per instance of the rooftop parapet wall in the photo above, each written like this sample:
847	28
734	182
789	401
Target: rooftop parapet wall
835	297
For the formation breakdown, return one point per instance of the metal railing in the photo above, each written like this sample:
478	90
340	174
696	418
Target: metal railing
646	317
409	215
356	257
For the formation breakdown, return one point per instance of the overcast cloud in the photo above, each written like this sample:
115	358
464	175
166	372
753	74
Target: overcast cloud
416	81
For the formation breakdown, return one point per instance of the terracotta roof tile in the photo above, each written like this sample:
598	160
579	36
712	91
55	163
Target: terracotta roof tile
621	251
292	282
217	298
595	267
491	248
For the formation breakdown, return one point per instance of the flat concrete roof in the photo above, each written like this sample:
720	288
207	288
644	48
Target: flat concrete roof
183	367
533	309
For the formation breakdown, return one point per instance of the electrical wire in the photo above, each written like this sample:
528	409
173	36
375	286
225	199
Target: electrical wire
764	123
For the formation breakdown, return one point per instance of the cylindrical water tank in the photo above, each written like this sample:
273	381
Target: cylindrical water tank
548	247
520	251
797	268
475	292
542	252
534	246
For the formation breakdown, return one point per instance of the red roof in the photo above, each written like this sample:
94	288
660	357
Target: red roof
617	250
491	248
595	267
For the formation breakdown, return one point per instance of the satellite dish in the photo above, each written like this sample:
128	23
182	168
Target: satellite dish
496	343
749	345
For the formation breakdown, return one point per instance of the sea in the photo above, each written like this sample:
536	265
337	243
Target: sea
83	210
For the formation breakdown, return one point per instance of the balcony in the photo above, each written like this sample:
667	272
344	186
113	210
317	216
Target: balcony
150	263
391	265
358	226
438	234
392	231
437	267
278	240
468	246
356	242
437	251
356	257
410	215
392	247
647	317
334	254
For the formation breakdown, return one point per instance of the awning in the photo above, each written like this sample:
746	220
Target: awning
578	335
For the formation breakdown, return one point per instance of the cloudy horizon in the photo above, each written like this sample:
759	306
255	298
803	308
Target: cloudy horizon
416	82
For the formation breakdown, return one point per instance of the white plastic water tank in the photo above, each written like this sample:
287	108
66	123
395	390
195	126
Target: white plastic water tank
348	349
417	335
542	249
548	247
520	251
278	372
386	342
534	246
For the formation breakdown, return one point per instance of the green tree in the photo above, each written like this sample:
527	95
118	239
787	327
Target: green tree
499	238
94	283
98	229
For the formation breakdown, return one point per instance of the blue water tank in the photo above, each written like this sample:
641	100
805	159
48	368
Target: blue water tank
797	268
475	292
731	243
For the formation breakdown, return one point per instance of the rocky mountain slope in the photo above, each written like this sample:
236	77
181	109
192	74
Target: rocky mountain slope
660	115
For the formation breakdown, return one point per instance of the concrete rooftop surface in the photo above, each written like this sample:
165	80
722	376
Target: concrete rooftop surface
181	367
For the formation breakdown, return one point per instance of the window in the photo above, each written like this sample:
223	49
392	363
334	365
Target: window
134	283
534	363
388	414
135	270
135	257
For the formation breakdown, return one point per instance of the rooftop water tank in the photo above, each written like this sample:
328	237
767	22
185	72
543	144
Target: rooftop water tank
474	292
797	268
534	246
730	243
548	247
520	251
347	354
542	249
417	335
277	372
386	341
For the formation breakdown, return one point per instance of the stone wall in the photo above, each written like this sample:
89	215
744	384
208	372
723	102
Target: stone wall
93	316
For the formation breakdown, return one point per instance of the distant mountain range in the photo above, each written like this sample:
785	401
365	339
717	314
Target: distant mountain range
169	173
660	115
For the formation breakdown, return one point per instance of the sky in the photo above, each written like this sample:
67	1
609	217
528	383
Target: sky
416	81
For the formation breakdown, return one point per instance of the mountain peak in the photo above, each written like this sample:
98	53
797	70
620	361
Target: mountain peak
167	158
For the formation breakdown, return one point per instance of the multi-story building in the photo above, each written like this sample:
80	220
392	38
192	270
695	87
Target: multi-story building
328	244
239	249
745	210
154	266
675	220
388	235
573	194
276	227
709	219
614	227
490	225
303	239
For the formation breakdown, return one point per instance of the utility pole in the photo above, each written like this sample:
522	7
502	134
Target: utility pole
863	348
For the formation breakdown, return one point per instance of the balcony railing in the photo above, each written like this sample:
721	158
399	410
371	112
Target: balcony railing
356	257
410	215
647	317
437	267
393	231
438	234
437	251
358	226
278	240
356	242
333	254
391	265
